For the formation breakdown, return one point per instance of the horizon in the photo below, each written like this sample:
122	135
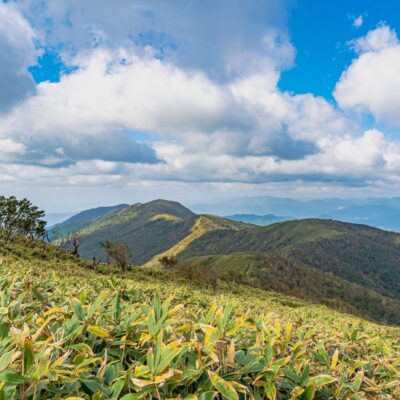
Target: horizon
223	200
378	212
106	103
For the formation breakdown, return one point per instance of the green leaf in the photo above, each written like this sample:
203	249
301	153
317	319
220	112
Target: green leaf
11	377
29	356
132	396
224	387
356	384
270	391
117	308
97	331
309	393
207	396
322	380
78	310
4	329
5	359
96	304
38	295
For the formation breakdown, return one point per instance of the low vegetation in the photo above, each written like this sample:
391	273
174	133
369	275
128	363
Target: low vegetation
67	331
78	330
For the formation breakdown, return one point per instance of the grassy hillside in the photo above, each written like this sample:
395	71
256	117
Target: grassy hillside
71	332
360	254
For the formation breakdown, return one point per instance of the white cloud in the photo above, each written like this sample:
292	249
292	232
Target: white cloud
372	82
358	21
17	54
203	131
200	127
9	146
223	38
378	39
117	91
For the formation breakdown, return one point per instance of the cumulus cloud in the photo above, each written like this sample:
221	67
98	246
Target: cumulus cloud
142	72
372	82
223	38
17	54
203	131
378	39
117	91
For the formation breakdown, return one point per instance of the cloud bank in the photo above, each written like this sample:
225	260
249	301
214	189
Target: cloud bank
151	95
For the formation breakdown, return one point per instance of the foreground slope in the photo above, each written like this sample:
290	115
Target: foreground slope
69	331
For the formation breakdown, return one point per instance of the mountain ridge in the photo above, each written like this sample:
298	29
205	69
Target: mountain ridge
380	212
361	264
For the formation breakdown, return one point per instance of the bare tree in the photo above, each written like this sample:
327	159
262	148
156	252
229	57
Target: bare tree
168	262
76	242
119	252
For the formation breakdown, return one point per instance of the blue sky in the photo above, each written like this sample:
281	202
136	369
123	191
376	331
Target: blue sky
320	31
106	102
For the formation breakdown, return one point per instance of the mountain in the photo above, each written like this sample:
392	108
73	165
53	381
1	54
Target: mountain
316	259
79	221
93	213
357	253
261	220
350	267
382	213
150	229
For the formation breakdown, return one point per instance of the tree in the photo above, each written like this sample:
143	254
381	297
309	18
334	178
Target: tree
119	252
21	217
75	242
168	262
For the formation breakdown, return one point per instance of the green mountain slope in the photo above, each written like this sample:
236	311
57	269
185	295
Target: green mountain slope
350	267
285	275
358	253
353	268
151	229
81	220
148	229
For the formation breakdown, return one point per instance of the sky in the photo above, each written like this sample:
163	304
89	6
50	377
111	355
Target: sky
107	102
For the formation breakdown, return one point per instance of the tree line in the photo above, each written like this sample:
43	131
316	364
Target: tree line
20	217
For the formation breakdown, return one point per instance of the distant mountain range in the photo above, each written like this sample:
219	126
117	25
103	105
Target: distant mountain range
261	220
382	213
56	218
351	267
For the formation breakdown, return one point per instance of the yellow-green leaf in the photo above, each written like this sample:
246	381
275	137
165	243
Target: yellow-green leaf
224	387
